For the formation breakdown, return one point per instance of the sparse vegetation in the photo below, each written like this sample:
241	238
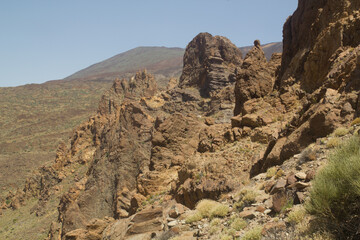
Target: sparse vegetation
247	197
208	209
215	222
341	131
279	173
271	172
289	204
296	216
333	142
335	194
253	234
238	224
34	119
197	216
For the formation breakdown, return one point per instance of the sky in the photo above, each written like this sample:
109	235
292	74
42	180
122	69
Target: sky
42	40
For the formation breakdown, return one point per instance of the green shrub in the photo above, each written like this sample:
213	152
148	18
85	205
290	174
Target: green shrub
194	217
219	211
335	193
333	142
279	174
214	229
247	197
215	222
253	234
208	209
271	172
341	131
296	216
238	224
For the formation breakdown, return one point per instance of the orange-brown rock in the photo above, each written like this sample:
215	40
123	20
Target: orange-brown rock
314	36
256	77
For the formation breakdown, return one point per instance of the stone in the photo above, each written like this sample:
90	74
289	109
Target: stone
209	121
153	225
260	209
251	121
279	200
264	134
279	185
255	79
291	179
299	185
300	175
267	211
299	198
247	214
268	185
310	175
177	210
236	121
172	223
268	203
310	40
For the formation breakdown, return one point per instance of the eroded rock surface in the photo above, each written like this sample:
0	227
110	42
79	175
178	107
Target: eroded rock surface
208	62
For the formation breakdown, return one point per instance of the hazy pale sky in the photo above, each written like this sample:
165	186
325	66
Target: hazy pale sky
43	40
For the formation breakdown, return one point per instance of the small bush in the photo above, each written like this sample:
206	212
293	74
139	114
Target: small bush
333	142
271	172
214	229
341	131
247	197
356	121
335	193
230	231
219	211
205	207
253	234
215	222
208	209
279	174
238	224
296	216
194	217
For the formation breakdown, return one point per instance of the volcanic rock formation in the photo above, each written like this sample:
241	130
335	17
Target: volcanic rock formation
148	155
208	62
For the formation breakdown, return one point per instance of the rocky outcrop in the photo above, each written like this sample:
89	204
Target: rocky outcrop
145	150
316	34
319	76
256	77
208	62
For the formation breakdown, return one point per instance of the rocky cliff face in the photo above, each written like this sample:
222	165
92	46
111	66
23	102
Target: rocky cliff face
314	36
256	77
208	62
318	76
